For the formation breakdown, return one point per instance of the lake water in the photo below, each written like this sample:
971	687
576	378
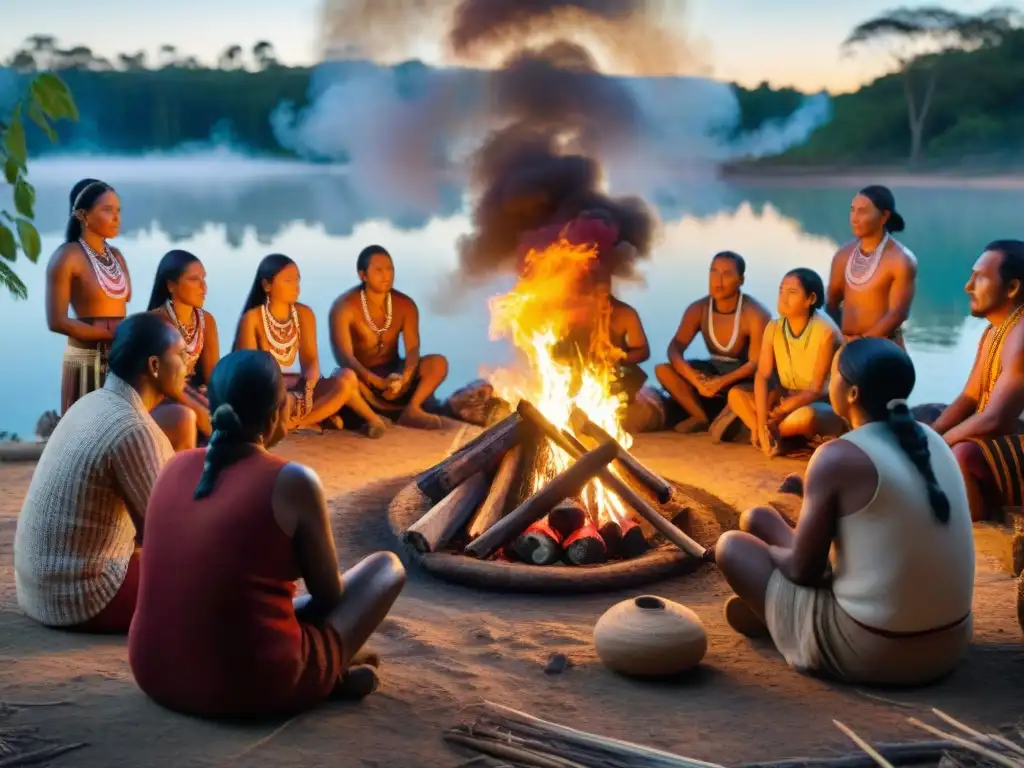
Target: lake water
231	212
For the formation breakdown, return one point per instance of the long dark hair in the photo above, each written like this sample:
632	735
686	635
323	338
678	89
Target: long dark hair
170	269
268	269
82	198
811	282
245	391
884	374
138	338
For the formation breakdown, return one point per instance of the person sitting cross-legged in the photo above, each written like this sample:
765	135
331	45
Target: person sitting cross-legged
895	607
231	528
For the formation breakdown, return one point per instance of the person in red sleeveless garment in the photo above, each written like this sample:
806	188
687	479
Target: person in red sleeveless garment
229	529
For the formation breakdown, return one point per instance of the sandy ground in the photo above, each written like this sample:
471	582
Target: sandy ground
446	647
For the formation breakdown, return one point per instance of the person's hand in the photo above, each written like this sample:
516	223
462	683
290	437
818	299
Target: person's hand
376	382
703	386
394	386
713	386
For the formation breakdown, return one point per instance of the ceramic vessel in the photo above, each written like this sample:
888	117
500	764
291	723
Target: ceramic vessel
650	637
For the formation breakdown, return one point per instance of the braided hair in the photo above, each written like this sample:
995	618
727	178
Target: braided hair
246	391
884	374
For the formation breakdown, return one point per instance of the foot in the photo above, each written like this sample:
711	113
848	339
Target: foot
375	431
792	483
357	683
333	422
720	428
417	418
366	656
742	619
691	426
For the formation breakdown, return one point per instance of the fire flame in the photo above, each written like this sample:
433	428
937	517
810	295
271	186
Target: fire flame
539	316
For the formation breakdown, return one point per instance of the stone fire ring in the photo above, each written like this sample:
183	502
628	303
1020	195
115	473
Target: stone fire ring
662	562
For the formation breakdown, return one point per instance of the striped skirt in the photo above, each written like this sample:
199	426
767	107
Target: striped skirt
1005	458
82	371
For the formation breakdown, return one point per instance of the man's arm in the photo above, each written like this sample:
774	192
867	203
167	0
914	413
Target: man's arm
901	296
967	401
688	329
309	356
836	287
411	341
638	349
831	465
822	367
1007	399
59	274
137	459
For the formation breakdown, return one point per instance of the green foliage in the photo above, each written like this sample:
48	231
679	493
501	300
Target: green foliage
46	100
762	105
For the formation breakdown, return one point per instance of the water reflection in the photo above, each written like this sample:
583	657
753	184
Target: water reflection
231	212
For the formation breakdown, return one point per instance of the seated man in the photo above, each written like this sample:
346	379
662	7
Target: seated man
732	324
366	323
896	607
76	563
983	424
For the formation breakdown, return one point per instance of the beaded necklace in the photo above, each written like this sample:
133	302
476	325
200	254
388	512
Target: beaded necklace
993	360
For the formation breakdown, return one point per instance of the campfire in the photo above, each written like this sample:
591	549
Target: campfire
553	481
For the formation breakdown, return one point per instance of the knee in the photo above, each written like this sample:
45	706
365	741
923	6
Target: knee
725	548
970	458
663	371
348	380
387	568
753	519
435	365
735	397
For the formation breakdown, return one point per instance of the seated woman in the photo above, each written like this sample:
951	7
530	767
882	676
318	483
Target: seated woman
274	321
790	397
229	529
179	292
896	608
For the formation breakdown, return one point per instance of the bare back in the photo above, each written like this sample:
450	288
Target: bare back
348	324
888	287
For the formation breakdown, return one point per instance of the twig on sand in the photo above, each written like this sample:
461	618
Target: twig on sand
978	735
28	704
261	741
868	749
985	752
40	755
884	700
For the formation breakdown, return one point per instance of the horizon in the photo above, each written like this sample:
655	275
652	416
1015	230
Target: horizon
792	43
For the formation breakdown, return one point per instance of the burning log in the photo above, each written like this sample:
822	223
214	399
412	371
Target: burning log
568	483
531	472
585	546
653	482
568	516
572	446
624	540
444	521
480	452
539	545
494	505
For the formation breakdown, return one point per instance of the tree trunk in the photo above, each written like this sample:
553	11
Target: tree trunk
917	114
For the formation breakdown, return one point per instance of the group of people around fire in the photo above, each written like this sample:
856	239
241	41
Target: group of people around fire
157	508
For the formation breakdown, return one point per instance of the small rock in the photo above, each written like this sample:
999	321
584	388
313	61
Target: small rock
557	664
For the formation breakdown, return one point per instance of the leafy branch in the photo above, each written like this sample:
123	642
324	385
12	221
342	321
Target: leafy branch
46	101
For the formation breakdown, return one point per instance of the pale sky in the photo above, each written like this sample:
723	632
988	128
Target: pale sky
786	42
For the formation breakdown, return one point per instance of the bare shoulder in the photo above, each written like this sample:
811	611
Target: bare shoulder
695	309
209	320
403	301
249	317
902	257
753	308
623	309
346	302
67	257
305	313
844	251
839	462
298	492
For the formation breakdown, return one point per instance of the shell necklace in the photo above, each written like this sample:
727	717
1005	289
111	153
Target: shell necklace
109	274
861	267
993	360
369	320
193	333
282	337
735	325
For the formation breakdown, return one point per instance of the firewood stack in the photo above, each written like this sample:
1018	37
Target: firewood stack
494	498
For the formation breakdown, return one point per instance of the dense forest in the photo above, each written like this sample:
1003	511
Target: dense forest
133	105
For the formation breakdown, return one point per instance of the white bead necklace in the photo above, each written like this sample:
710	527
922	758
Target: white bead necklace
861	267
282	337
369	320
735	324
109	274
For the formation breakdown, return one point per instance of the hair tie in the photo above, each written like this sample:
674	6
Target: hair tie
895	404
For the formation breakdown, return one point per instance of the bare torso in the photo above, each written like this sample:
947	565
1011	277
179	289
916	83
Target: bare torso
865	304
254	319
624	319
87	300
371	349
728	328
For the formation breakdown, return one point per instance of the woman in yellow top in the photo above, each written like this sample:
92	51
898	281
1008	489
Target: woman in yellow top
790	398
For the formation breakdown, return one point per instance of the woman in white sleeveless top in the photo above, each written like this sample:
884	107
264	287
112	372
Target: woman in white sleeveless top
895	608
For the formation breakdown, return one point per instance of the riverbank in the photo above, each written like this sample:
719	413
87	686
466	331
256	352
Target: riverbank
769	175
445	648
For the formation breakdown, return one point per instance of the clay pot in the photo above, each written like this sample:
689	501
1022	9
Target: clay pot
650	637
